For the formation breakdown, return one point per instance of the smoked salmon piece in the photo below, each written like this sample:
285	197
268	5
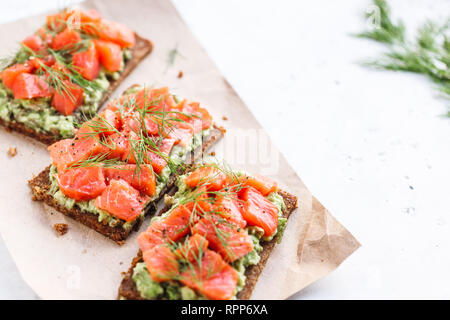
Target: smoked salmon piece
56	22
259	182
149	239
34	42
161	263
106	122
157	161
87	143
111	31
82	184
192	249
67	152
213	277
230	208
182	132
10	74
121	200
194	114
62	154
68	99
258	211
77	16
200	202
171	228
133	121
211	177
110	55
143	180
154	100
38	63
175	225
230	241
87	62
27	86
118	144
66	39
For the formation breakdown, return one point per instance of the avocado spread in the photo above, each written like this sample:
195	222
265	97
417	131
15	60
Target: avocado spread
39	115
177	156
170	290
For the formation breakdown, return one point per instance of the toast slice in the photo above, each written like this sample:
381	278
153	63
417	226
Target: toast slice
40	186
139	51
128	290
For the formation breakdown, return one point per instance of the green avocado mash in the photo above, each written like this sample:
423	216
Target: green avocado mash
39	115
177	156
141	276
150	289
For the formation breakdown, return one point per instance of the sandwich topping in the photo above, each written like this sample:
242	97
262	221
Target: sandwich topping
201	247
120	160
61	71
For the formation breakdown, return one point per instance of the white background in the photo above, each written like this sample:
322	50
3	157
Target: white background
372	146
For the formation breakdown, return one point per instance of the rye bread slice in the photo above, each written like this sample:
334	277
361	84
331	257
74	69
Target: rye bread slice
129	291
40	185
140	50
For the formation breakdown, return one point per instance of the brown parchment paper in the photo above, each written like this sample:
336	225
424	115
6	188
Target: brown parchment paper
83	264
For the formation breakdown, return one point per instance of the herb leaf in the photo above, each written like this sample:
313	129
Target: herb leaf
428	53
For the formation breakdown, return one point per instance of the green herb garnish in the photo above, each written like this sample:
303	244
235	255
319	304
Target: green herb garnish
428	53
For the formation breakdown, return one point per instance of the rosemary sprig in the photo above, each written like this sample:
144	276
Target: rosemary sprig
428	53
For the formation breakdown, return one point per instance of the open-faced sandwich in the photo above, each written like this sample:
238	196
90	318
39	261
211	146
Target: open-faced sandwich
65	71
122	161
213	238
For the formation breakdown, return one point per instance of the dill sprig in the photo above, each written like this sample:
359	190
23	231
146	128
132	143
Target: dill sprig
96	161
57	78
214	218
171	56
141	143
384	30
428	53
201	193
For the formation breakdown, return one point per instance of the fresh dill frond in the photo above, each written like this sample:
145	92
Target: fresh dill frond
59	78
384	29
428	53
172	55
99	160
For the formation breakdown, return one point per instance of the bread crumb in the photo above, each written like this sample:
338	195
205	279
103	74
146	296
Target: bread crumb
225	118
180	74
213	153
61	228
12	151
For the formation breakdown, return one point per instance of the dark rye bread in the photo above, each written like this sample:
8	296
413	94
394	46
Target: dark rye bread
40	185
140	50
129	291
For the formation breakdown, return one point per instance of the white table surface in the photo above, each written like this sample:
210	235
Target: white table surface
372	146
